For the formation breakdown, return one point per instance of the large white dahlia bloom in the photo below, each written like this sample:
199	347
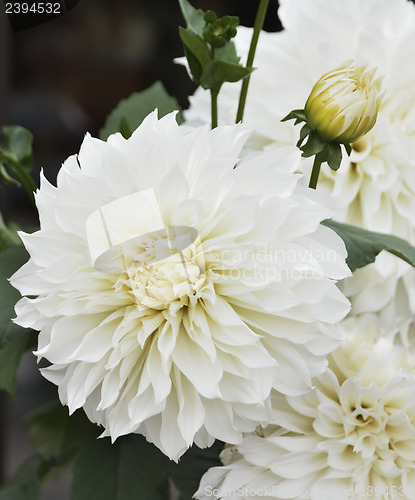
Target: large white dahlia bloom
351	436
375	186
173	291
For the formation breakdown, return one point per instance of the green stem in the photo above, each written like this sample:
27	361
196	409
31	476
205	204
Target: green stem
214	107
259	23
315	172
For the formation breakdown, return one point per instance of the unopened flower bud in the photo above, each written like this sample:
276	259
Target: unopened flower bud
344	103
218	32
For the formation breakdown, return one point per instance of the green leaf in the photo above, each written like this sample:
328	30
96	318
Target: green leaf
218	72
191	467
11	259
57	436
8	234
130	112
10	356
128	469
124	128
194	66
196	51
16	158
6	178
53	432
227	54
25	484
17	141
194	17
363	246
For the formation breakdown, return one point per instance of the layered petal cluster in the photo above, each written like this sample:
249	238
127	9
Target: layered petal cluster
374	187
351	436
174	286
344	103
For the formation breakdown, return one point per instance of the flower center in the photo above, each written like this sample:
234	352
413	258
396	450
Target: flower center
158	282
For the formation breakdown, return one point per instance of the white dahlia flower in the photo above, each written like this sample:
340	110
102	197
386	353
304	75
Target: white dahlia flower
374	187
172	291
351	436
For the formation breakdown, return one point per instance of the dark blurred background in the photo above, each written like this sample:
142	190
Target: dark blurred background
60	79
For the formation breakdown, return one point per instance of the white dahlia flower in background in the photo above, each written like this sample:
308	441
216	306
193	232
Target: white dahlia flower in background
374	187
173	291
351	436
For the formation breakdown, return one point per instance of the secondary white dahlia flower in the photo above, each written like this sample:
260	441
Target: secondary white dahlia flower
173	291
352	436
374	187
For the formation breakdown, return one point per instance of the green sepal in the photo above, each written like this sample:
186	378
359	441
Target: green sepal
334	155
348	148
296	114
304	132
315	144
363	246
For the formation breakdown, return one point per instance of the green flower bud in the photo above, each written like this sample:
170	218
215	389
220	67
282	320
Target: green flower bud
218	32
210	17
343	105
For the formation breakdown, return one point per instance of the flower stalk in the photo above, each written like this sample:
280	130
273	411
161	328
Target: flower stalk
259	23
214	108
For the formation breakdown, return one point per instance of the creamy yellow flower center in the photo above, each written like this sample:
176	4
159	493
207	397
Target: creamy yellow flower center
156	285
156	282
